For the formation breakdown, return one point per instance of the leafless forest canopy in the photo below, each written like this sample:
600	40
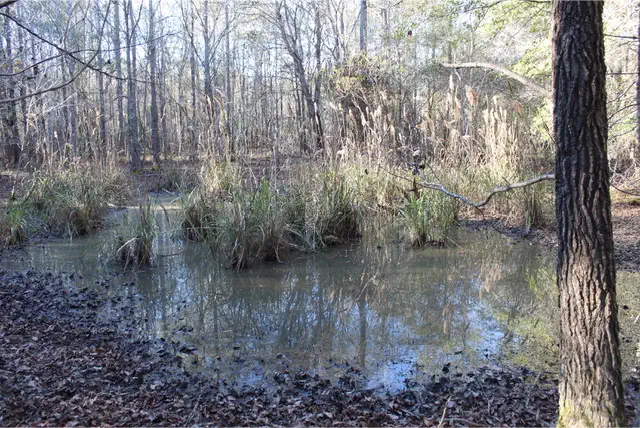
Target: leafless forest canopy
466	82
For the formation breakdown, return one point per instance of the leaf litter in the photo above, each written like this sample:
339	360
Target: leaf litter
77	357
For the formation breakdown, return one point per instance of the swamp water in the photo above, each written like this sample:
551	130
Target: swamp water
393	313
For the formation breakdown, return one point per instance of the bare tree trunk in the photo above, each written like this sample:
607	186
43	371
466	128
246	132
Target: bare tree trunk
135	163
211	106
363	25
318	76
386	30
243	98
40	146
638	90
290	32
229	88
194	98
591	382
102	146
27	137
208	90
10	114
119	85
73	106
155	130
166	149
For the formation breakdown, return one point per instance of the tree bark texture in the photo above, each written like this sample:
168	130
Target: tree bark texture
363	25
638	89
590	382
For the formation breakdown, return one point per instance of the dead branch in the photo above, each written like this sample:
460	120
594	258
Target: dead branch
85	65
7	3
626	192
498	189
525	81
70	54
50	88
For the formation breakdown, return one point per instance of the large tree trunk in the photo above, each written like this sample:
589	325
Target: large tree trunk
591	382
638	90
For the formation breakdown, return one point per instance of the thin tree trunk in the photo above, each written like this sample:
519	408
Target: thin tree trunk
155	129
63	129
102	146
591	382
229	88
119	85
26	143
135	163
194	98
73	107
318	77
363	25
208	90
10	114
293	45
166	149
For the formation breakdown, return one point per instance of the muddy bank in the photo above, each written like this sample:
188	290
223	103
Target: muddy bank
626	234
77	357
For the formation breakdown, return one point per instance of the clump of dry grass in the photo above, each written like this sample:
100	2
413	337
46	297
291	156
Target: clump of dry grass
77	199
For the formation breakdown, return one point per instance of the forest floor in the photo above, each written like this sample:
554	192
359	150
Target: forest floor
75	357
626	233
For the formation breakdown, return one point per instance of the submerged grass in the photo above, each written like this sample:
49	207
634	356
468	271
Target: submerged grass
13	224
199	214
132	240
254	226
428	218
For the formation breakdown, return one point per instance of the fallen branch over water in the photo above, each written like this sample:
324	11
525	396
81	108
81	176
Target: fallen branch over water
498	189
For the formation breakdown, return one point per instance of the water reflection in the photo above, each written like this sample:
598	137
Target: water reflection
392	312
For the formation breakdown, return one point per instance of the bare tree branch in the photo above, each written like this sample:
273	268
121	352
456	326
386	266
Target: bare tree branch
70	54
7	3
498	189
51	88
626	192
85	65
524	80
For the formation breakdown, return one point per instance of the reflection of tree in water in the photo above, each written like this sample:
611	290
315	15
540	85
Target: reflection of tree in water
523	302
367	304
